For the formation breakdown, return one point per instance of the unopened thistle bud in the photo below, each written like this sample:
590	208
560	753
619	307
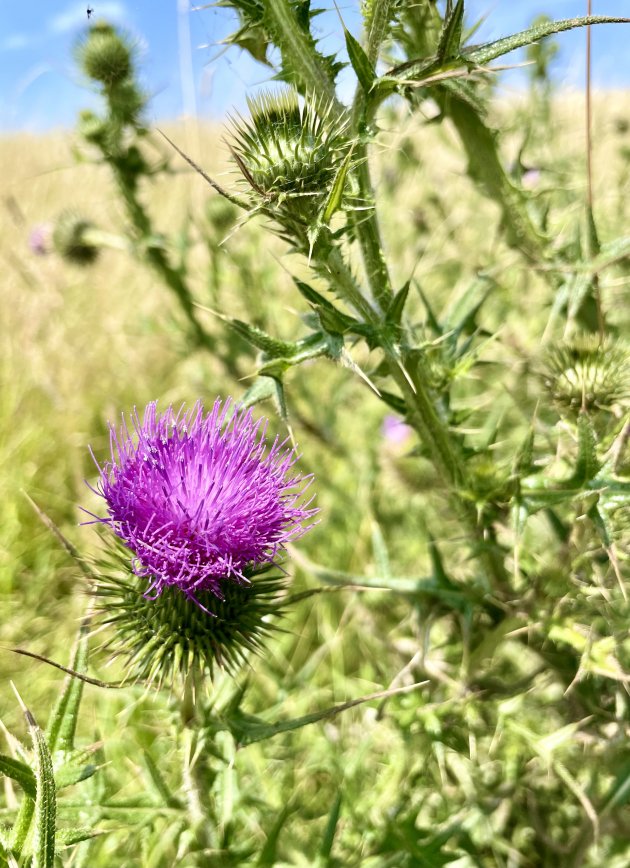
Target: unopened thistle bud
105	56
202	508
587	374
289	154
70	239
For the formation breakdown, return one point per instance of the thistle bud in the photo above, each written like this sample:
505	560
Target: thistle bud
587	374
92	127
289	154
105	56
71	241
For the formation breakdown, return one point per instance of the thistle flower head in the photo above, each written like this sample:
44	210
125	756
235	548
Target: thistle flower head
587	373
39	239
289	153
70	239
105	55
287	147
199	499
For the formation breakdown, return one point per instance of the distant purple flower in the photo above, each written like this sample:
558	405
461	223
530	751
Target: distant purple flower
531	179
200	499
395	431
39	239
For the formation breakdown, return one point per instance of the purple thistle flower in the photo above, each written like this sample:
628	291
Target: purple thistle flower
200	499
395	432
39	239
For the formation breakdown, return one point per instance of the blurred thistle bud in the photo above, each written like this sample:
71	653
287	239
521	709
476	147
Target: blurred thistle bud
221	214
203	508
105	56
93	128
289	154
39	239
587	374
70	239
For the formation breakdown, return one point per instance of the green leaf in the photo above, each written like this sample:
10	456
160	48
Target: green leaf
273	347
269	854
331	827
451	35
46	796
79	765
483	54
261	389
618	793
247	729
335	197
360	62
20	773
332	319
69	837
587	464
63	720
396	307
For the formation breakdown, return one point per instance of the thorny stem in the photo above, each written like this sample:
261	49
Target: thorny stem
192	777
376	27
157	259
424	418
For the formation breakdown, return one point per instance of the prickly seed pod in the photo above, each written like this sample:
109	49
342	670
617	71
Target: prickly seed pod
587	373
289	149
70	239
105	56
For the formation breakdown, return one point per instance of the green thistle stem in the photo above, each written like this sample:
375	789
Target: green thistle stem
447	459
369	234
340	277
157	259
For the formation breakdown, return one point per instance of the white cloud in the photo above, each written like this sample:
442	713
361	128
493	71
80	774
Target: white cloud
75	16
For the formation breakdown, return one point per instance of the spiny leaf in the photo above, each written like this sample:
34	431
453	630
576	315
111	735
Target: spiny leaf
248	729
483	54
63	720
360	62
69	837
451	35
397	305
258	338
20	773
335	197
587	463
46	795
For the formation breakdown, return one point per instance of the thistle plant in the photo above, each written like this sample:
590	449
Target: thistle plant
507	512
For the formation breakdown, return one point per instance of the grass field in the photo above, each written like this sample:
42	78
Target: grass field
81	345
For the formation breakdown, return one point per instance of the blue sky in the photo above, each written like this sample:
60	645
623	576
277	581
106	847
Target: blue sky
185	70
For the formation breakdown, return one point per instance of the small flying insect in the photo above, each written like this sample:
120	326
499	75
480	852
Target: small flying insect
89	12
